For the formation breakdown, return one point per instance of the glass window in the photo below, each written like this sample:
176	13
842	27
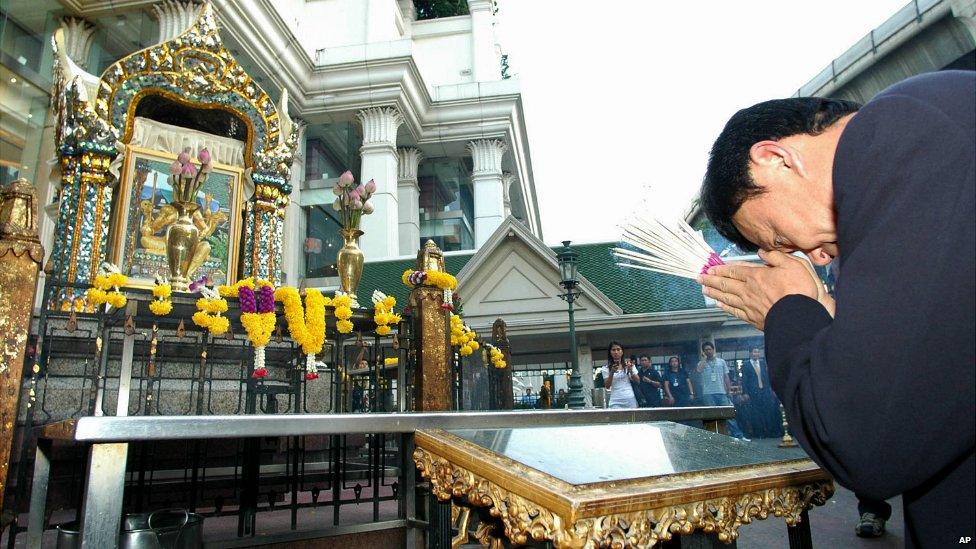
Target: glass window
331	149
322	241
446	203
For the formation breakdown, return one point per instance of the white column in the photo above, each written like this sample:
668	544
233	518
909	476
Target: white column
293	245
486	62
77	39
408	197
486	178
507	181
379	163
174	17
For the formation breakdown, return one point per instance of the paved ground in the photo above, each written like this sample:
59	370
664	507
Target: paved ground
831	526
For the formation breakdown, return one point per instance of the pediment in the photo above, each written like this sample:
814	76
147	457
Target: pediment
516	283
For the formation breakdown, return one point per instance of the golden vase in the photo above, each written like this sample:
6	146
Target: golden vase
349	262
182	238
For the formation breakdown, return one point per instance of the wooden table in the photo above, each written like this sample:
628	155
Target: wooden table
617	485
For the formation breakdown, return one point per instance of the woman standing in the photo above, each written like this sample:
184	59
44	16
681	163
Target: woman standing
619	378
677	385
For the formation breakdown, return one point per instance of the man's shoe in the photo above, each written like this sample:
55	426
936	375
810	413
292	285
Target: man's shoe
870	526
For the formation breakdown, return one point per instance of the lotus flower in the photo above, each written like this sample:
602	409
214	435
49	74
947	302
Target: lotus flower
356	204
184	157
346	179
370	187
176	168
367	208
189	170
337	189
204	156
337	204
361	191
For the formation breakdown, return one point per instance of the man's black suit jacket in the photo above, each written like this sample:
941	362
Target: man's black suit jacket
882	395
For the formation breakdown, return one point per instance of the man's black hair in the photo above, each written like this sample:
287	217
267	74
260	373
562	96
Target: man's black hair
727	183
707	344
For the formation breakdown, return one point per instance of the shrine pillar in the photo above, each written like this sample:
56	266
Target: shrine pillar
21	255
432	333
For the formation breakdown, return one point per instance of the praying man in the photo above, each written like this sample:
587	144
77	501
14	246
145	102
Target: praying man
879	384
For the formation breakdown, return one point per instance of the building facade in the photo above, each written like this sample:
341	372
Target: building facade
408	94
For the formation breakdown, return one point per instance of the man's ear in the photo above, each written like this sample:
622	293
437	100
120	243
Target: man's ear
775	155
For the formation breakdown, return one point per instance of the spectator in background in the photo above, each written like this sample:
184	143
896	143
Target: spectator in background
619	378
678	388
715	384
562	399
545	395
761	404
650	383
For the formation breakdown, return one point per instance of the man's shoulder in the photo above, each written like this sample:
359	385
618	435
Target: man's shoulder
947	92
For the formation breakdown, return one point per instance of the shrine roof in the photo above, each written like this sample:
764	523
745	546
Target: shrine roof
633	290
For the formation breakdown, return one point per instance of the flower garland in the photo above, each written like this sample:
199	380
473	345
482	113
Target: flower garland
391	361
108	278
463	337
208	312
383	312
258	319
306	325
495	356
343	312
438	279
161	305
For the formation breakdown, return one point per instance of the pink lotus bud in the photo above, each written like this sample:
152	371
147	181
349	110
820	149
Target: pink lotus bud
189	170
337	189
204	156
205	168
367	207
176	168
184	156
353	195
371	186
361	191
357	204
346	179
337	205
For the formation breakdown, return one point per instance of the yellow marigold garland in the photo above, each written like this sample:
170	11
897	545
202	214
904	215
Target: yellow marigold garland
463	337
109	278
208	314
343	312
161	304
391	361
438	279
383	314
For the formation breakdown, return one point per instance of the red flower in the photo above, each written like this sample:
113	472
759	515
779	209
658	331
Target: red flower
309	376
258	373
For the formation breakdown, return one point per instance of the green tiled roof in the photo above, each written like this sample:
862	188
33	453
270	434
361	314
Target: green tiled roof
385	277
633	290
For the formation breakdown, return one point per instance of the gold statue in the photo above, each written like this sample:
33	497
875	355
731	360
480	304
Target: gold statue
153	222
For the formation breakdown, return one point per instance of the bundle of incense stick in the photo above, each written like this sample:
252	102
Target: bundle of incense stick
674	249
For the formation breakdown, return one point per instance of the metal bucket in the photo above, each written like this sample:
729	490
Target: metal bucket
163	529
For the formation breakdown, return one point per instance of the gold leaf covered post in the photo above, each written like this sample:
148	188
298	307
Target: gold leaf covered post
21	255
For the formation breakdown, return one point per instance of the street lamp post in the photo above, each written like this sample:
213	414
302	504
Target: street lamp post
568	261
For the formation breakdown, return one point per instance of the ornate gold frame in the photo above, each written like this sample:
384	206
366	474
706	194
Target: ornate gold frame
529	505
120	210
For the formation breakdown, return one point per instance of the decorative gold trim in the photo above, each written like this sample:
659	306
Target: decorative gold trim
525	520
636	513
119	221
